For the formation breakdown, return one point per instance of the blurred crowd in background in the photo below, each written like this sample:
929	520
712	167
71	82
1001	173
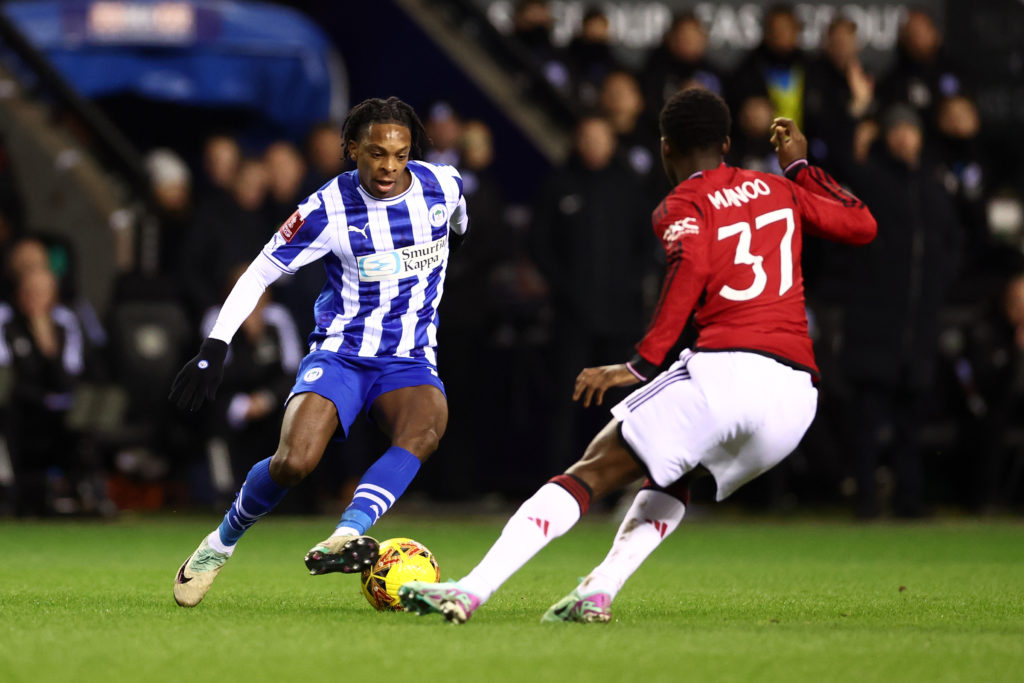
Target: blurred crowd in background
920	335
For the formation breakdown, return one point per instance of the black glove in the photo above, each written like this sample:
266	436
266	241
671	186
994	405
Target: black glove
200	377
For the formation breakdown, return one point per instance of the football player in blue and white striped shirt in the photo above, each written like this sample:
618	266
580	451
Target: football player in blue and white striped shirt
382	232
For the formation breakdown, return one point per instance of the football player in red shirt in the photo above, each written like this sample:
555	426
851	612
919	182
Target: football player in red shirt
733	406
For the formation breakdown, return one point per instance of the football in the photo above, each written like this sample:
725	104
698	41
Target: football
401	560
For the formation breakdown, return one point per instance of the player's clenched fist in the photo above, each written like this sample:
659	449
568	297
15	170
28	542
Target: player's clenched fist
789	143
198	380
591	383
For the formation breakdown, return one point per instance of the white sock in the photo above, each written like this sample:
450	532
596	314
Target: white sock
650	519
547	515
214	540
345	531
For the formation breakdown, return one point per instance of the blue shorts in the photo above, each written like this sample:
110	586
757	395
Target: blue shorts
353	383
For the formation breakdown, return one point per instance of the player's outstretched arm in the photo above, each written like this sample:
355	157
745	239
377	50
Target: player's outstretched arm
198	380
827	209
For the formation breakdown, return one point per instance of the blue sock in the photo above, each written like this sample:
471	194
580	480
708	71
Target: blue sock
379	488
258	496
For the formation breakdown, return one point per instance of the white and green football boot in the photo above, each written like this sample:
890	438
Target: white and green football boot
449	600
197	573
592	608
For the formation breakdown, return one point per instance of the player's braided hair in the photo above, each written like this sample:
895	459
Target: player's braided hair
695	118
377	110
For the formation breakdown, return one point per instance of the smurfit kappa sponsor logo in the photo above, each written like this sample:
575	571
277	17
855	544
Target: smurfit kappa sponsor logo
416	259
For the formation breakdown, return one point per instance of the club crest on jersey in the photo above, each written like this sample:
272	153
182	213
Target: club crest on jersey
313	374
437	215
686	226
291	226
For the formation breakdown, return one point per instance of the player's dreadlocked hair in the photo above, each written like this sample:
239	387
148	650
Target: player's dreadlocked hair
376	110
695	118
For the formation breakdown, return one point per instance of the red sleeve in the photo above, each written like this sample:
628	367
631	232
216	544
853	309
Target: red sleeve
829	211
682	231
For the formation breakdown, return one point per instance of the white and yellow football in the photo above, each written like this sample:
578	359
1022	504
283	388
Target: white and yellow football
401	560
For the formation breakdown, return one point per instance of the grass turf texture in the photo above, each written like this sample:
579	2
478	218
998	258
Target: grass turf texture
719	601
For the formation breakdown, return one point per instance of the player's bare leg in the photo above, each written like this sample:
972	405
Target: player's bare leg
414	418
606	466
309	422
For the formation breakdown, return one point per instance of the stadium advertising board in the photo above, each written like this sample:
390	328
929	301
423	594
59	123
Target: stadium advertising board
734	27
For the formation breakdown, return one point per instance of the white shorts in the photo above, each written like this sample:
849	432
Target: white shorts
736	413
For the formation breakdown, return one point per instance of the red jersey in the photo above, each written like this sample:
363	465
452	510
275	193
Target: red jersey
733	239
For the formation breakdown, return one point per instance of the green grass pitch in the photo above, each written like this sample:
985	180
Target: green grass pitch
739	600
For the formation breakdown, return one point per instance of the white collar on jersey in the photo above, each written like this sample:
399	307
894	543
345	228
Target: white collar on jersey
387	200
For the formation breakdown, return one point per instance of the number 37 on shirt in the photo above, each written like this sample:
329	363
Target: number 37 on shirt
774	225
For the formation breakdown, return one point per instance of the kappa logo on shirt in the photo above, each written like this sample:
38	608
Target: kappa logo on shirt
686	226
414	260
291	227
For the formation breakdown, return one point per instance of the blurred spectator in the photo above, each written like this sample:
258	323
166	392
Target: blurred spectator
324	154
473	308
896	289
286	173
679	62
221	157
287	176
590	56
171	183
531	27
636	131
54	254
751	147
991	372
959	150
865	134
443	127
43	349
227	233
258	374
25	256
593	243
839	94
922	75
469	303
776	69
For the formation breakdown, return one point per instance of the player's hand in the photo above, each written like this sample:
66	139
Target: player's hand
199	379
591	383
789	143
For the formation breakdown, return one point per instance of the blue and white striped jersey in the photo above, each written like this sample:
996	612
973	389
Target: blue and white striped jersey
385	261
